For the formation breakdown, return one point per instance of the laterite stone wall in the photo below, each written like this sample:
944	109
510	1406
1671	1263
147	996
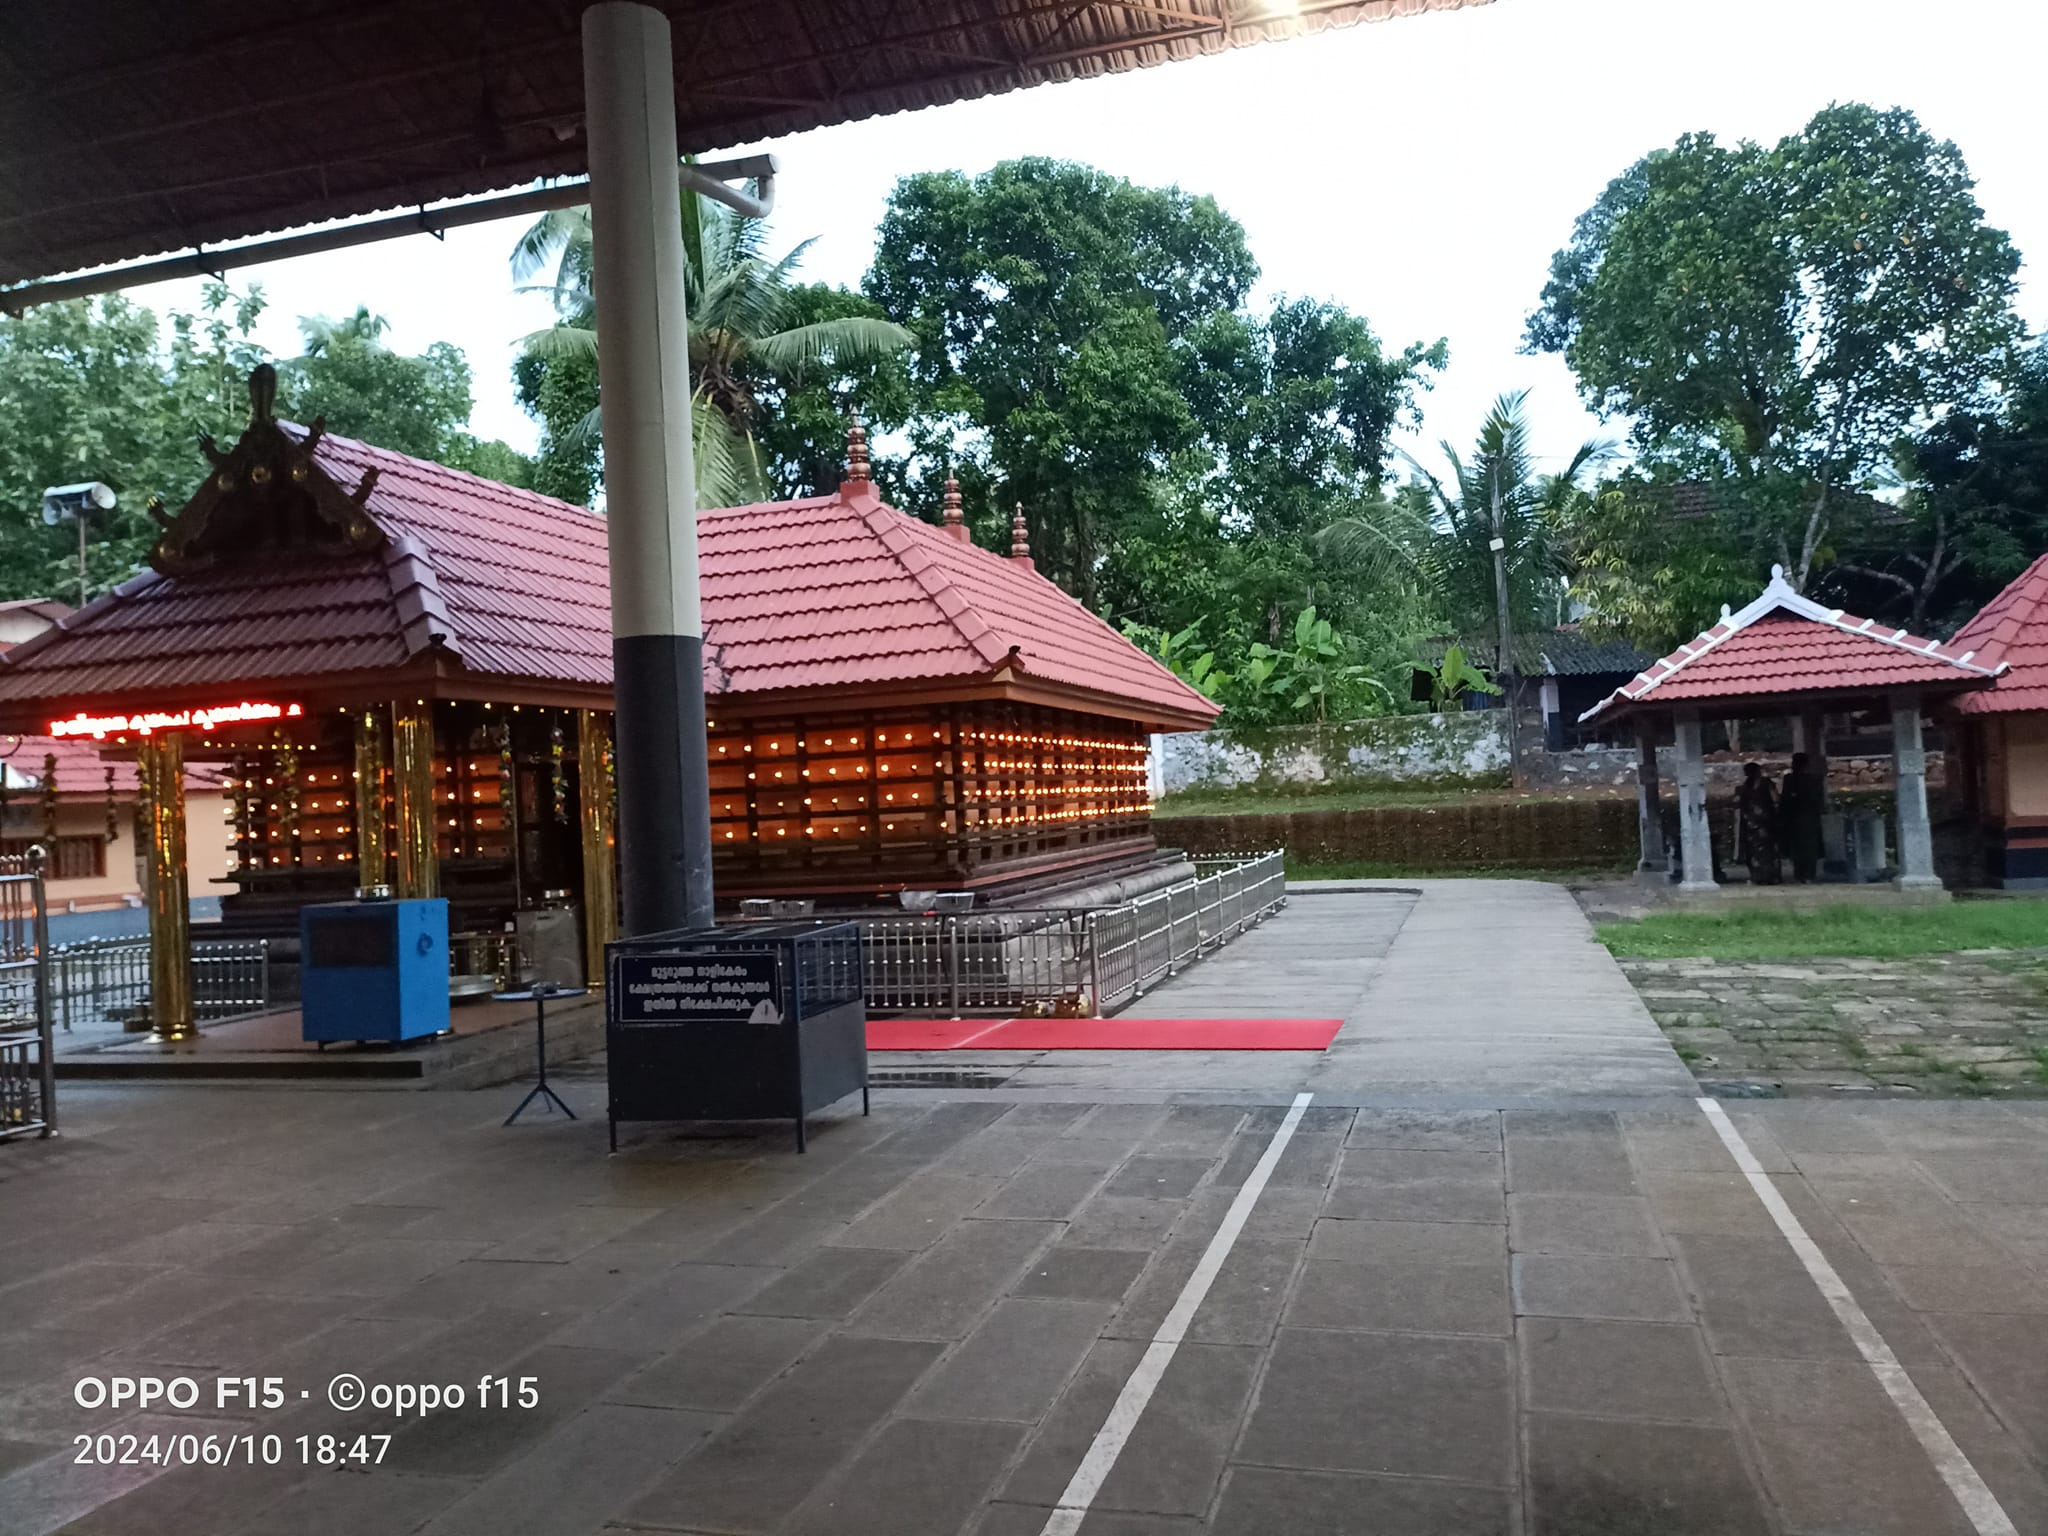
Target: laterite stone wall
1545	833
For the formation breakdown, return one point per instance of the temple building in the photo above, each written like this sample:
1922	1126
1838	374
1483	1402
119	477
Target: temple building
404	673
2004	731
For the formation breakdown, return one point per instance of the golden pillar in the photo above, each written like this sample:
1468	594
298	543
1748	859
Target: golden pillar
600	856
371	865
161	765
412	778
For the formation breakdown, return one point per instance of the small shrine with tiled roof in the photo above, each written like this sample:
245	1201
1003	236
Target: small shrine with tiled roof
2005	729
1785	654
407	673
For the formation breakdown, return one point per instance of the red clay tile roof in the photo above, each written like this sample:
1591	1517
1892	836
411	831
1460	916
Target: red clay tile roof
81	771
1786	644
814	593
844	589
2012	628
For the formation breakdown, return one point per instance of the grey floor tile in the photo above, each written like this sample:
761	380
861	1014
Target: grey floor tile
1755	1298
830	1283
661	1313
1083	1274
1578	1285
1263	1501
1710	1202
2007	1361
944	1293
1159	1178
1063	1437
1171	1463
1050	1193
1934	1237
1426	1130
1014	1364
1242	1306
577	1478
1969	1288
1115	1221
752	1475
329	1503
724	1365
1570	1164
1875	1482
475	1441
1405	1404
1410	1298
1605	1477
918	1478
1590	1224
1407	1242
1029	1520
919	1212
1619	1370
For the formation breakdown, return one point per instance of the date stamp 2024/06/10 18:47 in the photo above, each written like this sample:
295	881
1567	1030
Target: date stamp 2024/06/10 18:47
345	1392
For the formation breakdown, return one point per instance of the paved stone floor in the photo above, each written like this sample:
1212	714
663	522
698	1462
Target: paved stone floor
1970	1024
1578	1320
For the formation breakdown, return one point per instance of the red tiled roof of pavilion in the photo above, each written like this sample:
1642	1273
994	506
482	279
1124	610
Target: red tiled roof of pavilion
81	771
2012	629
1785	644
818	592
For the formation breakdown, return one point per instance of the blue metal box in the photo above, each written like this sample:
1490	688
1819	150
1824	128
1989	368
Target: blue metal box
373	970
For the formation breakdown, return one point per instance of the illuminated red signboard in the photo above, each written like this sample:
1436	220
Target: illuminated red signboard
150	721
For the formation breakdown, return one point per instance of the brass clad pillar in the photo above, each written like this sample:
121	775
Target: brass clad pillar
600	857
161	762
371	865
412	779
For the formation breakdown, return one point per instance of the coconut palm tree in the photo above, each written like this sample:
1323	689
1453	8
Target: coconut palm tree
1435	535
739	304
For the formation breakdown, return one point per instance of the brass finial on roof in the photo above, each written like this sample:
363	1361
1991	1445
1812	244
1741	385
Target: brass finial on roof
856	453
1020	537
262	394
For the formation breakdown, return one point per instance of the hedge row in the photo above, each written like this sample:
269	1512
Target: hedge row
1531	834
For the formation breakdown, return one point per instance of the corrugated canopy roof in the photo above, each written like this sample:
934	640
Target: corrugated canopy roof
474	577
2012	629
1785	645
134	127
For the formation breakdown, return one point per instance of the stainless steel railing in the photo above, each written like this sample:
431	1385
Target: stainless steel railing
1076	962
28	1080
106	981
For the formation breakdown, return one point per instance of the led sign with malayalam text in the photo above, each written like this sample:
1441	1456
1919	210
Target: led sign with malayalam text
148	722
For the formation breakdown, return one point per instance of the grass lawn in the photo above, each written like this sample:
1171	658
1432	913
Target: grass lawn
1845	930
1367	869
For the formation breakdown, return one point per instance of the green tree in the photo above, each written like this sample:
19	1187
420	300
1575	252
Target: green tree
1781	318
1435	535
748	335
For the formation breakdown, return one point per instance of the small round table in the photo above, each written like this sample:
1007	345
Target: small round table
538	994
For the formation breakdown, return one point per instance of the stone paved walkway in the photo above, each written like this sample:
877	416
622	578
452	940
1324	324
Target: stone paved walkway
1972	1024
1434	1322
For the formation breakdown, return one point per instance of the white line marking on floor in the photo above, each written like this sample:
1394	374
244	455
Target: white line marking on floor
1977	1500
1130	1404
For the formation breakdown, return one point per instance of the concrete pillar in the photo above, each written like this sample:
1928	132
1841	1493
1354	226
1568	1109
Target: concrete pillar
372	864
650	492
1809	735
412	782
600	855
1695	840
1909	770
160	763
1649	810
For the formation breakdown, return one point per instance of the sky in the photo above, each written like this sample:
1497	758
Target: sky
1420	172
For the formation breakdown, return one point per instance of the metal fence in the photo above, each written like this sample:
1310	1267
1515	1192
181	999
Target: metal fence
1075	962
28	1087
106	981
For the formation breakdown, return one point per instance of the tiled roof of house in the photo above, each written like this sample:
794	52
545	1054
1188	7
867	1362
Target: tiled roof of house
2013	629
1566	651
80	771
819	592
1786	644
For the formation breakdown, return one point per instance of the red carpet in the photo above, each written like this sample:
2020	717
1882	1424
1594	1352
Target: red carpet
1102	1034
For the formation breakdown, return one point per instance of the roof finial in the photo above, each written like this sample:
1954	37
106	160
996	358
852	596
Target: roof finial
262	393
856	453
1020	537
955	521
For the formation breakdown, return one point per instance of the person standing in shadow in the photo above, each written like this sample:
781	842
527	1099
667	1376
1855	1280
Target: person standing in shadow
1799	813
1756	827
